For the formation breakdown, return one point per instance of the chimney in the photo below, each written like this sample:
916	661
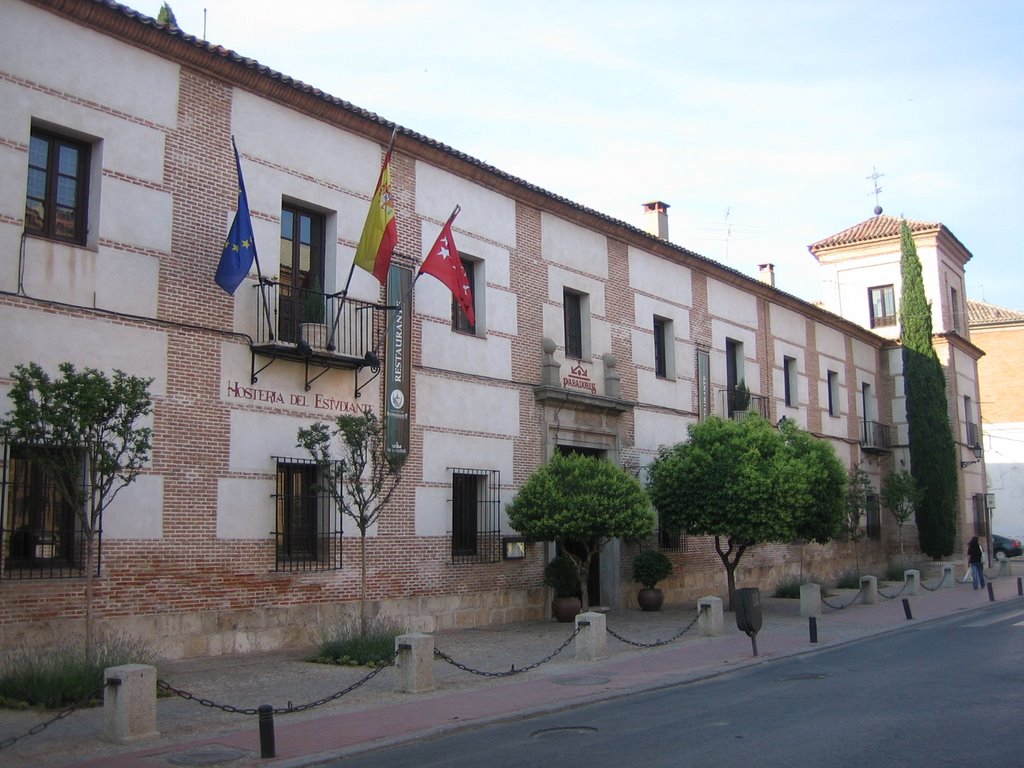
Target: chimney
766	274
656	219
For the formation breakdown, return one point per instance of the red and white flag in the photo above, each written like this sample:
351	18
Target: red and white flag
444	263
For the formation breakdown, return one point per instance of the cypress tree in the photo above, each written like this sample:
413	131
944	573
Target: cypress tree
932	452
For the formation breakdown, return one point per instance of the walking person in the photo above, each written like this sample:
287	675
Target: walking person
974	556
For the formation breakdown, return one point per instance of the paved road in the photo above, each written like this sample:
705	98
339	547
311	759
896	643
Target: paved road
946	693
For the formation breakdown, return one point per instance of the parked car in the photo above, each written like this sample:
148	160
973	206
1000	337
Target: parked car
1008	546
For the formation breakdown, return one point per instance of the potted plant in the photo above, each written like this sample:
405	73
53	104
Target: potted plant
740	400
314	332
650	567
560	575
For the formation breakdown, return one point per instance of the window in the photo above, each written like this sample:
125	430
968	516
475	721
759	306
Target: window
738	396
883	306
833	393
459	320
308	522
42	535
301	278
980	515
789	379
572	308
954	306
475	526
874	518
668	538
664	362
972	427
58	187
703	384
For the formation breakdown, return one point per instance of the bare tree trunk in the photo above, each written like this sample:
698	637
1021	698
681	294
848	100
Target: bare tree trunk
362	586
90	637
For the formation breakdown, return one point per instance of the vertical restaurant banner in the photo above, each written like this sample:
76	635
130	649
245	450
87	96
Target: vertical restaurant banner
398	363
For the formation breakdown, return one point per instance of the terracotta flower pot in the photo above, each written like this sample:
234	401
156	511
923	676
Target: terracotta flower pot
565	609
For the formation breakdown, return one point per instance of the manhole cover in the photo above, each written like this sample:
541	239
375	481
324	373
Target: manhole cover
574	730
211	755
581	680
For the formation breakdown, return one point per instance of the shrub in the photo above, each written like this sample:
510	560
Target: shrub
848	580
62	674
650	567
344	644
789	587
895	572
560	574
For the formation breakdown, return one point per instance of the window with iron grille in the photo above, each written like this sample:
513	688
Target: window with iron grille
668	538
874	517
476	500
42	535
980	516
661	341
307	531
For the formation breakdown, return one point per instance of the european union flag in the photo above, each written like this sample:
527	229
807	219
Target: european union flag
240	248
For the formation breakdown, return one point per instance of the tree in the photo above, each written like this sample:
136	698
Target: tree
361	480
82	430
933	461
166	16
858	496
746	483
581	503
901	497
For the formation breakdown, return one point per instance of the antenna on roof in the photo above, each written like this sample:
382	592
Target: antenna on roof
875	176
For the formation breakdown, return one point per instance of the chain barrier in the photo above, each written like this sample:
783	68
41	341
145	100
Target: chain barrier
847	605
656	643
938	586
513	671
40	727
291	708
893	597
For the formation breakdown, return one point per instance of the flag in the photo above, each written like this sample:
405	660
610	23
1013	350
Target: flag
240	247
380	232
444	263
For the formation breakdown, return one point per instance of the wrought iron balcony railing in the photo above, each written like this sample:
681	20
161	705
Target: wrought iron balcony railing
738	402
874	437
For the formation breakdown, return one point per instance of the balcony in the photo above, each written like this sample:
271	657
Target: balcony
320	330
874	437
737	402
973	434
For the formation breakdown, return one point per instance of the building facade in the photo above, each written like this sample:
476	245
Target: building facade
590	335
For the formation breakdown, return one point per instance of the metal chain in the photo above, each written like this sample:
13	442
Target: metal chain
938	586
893	597
656	643
40	727
841	607
513	671
163	685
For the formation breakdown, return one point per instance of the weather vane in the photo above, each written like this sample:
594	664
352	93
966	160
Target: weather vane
874	177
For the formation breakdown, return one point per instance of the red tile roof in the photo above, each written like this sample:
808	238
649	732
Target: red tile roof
875	228
980	313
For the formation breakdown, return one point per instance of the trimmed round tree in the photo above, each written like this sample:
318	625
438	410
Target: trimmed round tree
746	483
580	503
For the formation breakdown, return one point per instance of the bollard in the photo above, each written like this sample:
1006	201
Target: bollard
906	609
810	599
592	640
991	594
710	619
868	590
913	580
1020	587
812	623
948	577
267	746
414	663
129	703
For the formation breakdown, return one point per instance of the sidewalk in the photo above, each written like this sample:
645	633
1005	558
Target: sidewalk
374	715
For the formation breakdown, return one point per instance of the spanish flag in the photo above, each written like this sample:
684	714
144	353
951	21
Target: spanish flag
380	232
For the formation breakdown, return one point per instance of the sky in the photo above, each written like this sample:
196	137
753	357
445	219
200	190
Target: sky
760	123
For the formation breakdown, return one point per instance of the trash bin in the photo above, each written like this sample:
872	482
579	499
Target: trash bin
748	610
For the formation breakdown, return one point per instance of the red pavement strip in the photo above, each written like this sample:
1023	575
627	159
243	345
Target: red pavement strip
313	740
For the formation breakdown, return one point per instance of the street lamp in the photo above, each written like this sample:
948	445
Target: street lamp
977	451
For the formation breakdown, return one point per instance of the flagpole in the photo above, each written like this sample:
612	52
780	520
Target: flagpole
352	267
455	212
255	250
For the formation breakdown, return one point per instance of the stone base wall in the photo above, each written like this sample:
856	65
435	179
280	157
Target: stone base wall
219	633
